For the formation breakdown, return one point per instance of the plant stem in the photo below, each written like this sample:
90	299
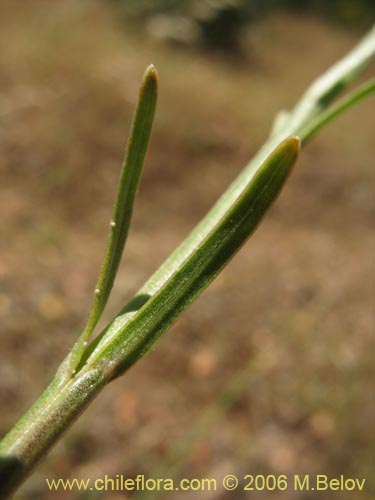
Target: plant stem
106	357
56	409
327	116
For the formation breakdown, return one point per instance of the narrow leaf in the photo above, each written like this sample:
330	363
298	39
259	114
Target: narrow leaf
122	346
123	207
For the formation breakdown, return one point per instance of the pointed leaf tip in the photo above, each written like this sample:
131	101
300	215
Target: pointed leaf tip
292	143
288	151
295	141
150	77
151	69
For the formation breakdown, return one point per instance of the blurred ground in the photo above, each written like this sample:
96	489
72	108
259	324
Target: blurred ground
271	370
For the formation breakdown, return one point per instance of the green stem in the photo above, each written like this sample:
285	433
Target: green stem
327	116
331	84
57	408
178	281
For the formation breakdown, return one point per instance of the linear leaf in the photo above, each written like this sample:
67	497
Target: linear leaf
118	350
123	207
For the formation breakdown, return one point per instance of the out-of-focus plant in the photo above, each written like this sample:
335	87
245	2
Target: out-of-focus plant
212	23
185	274
219	24
349	12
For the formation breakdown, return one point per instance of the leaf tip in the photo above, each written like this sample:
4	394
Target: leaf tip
290	149
150	77
294	143
151	69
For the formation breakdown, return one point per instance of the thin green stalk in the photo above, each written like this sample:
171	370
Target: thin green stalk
327	116
331	84
178	281
43	425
